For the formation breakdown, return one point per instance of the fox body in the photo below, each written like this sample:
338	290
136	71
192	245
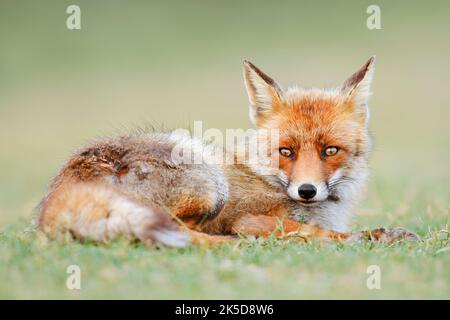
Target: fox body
130	186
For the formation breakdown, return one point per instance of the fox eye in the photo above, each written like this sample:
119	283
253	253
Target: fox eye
286	152
330	151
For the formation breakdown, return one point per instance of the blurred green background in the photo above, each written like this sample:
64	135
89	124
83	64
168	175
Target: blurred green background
173	62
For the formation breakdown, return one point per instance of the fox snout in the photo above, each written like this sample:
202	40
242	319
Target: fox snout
308	192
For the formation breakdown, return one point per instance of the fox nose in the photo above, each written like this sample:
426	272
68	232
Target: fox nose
307	191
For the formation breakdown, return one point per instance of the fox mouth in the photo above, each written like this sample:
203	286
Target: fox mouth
309	202
312	202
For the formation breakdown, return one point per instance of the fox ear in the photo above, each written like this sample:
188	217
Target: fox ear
357	87
264	93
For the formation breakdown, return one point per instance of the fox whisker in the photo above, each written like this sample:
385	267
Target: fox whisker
334	183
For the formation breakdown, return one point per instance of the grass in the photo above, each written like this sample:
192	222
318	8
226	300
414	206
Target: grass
179	62
35	268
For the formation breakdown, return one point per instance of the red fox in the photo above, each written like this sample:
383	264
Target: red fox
130	186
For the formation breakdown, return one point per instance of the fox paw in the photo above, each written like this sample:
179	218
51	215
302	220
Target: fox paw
384	235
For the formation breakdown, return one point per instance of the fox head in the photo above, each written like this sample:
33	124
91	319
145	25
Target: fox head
323	136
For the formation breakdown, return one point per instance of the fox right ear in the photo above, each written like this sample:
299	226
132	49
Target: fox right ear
357	86
264	93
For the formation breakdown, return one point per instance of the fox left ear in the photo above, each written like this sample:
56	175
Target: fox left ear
264	93
357	88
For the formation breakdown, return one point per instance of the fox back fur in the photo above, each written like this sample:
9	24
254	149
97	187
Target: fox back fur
129	186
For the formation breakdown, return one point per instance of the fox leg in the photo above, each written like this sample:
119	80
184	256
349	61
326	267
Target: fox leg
264	226
195	209
201	238
191	194
102	213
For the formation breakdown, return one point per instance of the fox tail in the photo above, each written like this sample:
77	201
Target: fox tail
102	213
